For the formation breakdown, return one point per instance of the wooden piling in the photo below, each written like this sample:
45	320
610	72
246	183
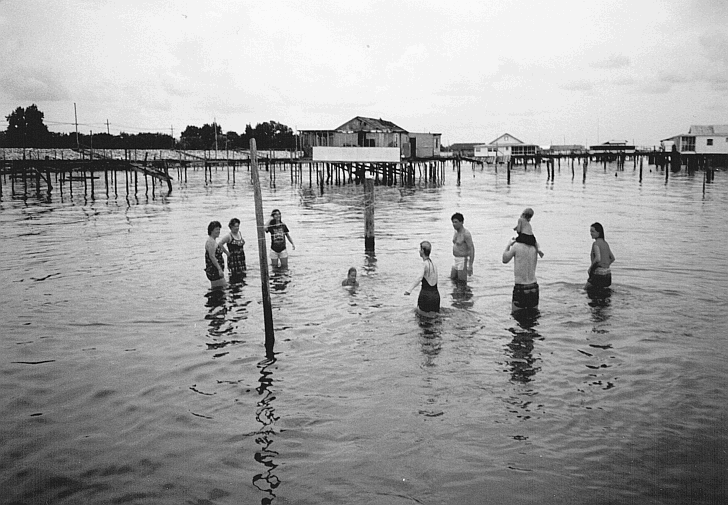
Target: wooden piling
262	252
368	213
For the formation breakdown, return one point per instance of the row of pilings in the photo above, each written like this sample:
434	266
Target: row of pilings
133	177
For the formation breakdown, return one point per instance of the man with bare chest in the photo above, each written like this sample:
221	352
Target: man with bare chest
462	249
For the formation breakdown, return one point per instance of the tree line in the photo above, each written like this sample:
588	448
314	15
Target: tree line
27	129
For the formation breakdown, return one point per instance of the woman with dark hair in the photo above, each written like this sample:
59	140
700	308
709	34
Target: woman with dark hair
600	276
235	253
278	235
214	265
428	302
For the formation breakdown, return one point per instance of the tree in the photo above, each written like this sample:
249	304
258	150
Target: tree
26	128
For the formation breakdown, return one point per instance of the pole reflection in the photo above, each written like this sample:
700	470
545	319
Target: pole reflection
267	481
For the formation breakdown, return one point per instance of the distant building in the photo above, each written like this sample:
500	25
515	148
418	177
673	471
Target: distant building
566	150
504	147
370	132
424	145
700	139
613	147
464	149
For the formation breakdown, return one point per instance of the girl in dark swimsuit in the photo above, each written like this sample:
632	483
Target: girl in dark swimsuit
235	252
429	299
214	266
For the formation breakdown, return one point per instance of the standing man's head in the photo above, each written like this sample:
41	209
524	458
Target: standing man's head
276	215
457	220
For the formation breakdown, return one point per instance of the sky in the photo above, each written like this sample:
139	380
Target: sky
556	72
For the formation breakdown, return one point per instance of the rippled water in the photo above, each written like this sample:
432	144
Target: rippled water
125	381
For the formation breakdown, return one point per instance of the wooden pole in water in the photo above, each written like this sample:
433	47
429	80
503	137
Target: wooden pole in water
368	213
262	252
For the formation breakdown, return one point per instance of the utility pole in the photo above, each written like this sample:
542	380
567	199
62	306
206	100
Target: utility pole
75	115
107	127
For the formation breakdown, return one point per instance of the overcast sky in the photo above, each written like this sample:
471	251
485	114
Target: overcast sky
573	72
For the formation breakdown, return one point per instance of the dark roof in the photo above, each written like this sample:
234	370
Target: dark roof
717	129
465	145
371	124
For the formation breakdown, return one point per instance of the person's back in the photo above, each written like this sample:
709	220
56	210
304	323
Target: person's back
525	259
605	253
525	290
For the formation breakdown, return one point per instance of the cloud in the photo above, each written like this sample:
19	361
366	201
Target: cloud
673	78
715	47
577	86
612	62
656	87
32	85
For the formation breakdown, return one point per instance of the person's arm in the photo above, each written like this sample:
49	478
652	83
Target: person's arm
291	241
223	243
596	255
596	258
471	252
210	248
509	253
611	256
418	281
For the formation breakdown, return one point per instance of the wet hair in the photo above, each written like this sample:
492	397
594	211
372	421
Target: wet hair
458	216
212	226
274	211
528	213
233	222
599	228
352	269
426	247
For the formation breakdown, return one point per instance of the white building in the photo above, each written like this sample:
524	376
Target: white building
700	139
504	147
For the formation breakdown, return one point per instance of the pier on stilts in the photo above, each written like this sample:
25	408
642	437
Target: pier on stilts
40	170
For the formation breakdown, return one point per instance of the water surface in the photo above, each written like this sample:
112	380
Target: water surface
124	380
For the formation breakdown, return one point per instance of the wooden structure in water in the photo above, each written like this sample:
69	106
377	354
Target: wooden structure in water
142	172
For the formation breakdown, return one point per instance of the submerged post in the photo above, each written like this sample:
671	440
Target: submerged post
368	213
262	253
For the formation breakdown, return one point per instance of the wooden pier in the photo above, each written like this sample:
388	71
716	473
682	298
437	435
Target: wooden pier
42	169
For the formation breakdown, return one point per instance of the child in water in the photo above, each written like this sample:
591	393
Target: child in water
525	232
350	278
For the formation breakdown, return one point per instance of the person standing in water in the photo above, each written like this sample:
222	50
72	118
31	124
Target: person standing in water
462	249
214	265
525	290
600	275
279	233
428	302
235	252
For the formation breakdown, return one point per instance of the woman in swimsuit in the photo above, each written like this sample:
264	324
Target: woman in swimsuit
214	265
235	252
600	275
428	302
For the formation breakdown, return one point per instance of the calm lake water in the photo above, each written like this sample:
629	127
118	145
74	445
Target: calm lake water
124	380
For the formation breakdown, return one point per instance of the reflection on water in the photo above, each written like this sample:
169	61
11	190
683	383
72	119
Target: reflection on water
474	402
462	294
280	279
522	362
430	338
600	301
266	481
